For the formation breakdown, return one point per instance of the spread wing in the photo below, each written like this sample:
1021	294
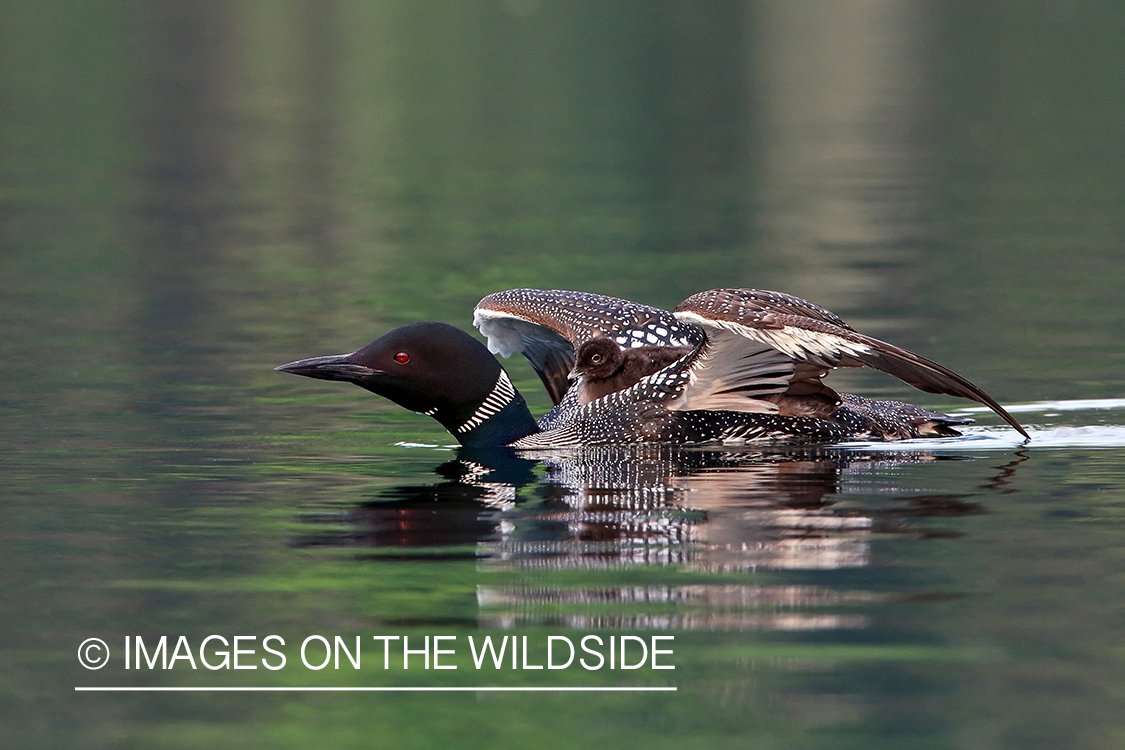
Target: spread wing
731	372
742	322
546	326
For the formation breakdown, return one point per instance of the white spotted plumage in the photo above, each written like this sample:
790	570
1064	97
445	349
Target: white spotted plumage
749	349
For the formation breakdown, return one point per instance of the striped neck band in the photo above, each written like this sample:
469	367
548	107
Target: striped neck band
502	394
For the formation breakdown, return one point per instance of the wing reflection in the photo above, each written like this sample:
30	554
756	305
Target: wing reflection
708	510
720	516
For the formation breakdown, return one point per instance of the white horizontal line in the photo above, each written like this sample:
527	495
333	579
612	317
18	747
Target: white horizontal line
486	688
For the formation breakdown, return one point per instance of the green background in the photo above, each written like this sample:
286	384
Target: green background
194	192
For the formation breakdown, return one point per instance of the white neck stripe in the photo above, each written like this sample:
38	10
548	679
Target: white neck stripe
502	394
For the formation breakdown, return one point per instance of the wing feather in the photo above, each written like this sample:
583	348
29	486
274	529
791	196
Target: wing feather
810	334
731	373
546	326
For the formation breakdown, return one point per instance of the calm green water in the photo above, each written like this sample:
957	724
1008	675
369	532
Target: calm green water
193	193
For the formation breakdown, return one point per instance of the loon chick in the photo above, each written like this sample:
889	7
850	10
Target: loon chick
750	368
601	367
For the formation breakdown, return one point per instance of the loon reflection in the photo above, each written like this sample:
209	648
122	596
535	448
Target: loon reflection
711	509
709	512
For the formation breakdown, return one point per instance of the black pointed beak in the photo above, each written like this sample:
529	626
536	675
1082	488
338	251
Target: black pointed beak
333	367
573	374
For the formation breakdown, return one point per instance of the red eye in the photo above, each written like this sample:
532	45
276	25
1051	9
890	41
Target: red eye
402	358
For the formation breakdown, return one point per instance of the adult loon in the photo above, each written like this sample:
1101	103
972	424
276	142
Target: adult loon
750	367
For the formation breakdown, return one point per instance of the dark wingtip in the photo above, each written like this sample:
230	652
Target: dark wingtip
1003	414
983	398
931	377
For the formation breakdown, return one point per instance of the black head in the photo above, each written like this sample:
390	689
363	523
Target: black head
427	367
598	358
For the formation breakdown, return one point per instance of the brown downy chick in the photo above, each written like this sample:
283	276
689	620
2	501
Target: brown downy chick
606	368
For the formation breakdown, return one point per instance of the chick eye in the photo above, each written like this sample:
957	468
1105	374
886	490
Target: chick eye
402	358
596	359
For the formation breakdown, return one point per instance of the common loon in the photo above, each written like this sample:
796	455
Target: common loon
750	367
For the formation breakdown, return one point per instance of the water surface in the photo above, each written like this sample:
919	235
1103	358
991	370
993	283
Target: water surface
191	194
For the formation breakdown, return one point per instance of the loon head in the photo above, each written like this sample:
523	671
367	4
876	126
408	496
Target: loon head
437	370
597	359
